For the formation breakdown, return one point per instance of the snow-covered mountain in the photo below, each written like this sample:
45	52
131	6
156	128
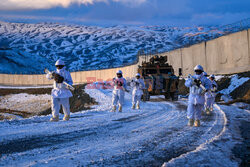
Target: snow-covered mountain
33	46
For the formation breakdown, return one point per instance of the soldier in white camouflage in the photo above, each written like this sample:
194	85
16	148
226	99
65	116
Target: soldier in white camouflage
60	93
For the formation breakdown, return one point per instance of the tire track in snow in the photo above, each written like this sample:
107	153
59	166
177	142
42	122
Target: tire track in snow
147	147
127	126
123	121
38	141
173	147
221	114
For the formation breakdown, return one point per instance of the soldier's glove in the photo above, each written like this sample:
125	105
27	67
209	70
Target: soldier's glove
53	75
58	78
197	82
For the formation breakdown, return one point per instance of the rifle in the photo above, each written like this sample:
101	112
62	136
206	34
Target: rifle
65	83
137	84
123	88
201	86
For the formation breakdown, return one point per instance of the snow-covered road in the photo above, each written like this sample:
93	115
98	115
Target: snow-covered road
155	134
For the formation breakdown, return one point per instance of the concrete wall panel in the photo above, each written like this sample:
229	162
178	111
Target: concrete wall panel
228	54
199	57
211	57
239	47
187	59
248	32
174	59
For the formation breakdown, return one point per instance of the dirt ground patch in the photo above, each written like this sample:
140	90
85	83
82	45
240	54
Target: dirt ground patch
35	91
242	92
23	114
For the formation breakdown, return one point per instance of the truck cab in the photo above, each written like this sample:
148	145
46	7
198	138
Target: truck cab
159	78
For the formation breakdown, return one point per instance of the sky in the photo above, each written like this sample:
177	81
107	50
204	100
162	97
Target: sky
126	12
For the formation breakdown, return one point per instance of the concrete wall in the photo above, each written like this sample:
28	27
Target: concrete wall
192	56
228	54
175	59
224	55
78	77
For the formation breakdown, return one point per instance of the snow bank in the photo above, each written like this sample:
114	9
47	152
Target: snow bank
219	77
234	83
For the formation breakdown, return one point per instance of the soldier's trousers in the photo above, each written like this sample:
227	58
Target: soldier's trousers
194	111
56	105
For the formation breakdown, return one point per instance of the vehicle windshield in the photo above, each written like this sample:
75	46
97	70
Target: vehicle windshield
151	71
165	71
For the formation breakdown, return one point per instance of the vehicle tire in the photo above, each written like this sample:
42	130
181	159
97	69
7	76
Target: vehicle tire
167	96
175	96
145	96
148	97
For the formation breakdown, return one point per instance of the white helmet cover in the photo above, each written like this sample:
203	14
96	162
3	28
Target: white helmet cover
138	75
119	72
198	67
212	76
59	62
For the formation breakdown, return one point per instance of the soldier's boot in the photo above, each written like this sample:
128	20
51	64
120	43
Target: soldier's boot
138	106
113	109
66	117
120	108
133	106
197	123
54	119
190	122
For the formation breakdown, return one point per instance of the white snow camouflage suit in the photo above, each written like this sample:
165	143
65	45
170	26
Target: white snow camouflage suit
196	98
60	94
119	91
137	86
210	96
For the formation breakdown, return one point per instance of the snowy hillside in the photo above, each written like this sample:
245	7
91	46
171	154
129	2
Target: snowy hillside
15	61
88	47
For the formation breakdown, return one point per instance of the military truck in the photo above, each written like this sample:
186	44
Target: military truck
159	78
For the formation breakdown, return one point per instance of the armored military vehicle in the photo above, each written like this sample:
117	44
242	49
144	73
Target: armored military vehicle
159	78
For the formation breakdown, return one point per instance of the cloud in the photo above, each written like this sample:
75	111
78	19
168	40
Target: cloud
107	12
218	18
131	2
31	17
46	4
